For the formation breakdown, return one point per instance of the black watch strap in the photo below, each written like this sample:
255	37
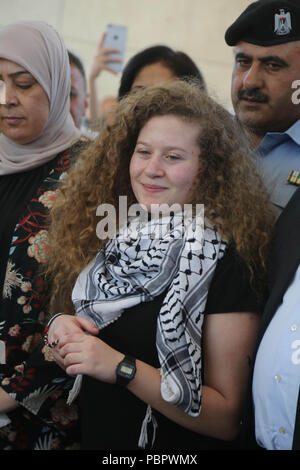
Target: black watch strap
125	371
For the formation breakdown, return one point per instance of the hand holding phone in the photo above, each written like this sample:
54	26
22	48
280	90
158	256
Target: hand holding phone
115	44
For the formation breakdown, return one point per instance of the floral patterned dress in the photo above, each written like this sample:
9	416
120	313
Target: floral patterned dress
43	420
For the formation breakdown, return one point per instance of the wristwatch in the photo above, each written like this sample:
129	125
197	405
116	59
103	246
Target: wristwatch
125	371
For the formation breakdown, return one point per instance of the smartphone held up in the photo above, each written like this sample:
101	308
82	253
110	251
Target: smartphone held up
116	38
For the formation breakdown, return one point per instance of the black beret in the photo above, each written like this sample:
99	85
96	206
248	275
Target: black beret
266	23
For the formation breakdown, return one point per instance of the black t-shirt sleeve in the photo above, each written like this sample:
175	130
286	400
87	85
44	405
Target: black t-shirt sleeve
231	289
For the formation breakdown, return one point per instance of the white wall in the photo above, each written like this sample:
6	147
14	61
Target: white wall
196	27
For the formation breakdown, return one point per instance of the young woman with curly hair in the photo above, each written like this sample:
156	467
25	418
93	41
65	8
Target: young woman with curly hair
188	314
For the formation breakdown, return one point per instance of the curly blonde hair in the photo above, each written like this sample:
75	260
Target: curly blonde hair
227	184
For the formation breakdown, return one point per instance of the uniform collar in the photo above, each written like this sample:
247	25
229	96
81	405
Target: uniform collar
272	139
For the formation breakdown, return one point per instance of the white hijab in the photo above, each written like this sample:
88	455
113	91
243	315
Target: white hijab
38	48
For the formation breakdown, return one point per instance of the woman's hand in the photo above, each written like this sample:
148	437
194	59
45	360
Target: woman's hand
102	58
100	62
85	354
65	325
68	324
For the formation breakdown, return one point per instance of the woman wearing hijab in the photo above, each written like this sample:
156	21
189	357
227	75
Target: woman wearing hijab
37	142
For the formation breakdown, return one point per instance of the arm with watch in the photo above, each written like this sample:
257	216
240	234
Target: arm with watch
225	372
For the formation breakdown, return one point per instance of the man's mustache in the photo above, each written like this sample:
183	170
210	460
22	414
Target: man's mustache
254	95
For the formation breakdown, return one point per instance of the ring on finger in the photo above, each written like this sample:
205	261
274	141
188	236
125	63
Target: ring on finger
54	343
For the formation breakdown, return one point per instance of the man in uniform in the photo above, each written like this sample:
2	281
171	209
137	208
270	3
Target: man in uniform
266	37
265	90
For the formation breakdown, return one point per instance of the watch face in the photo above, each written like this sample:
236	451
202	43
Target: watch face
124	369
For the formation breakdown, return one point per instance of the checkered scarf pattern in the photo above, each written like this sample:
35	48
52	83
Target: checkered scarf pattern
134	268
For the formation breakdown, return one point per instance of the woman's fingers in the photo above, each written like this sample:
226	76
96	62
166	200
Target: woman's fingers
69	347
68	326
73	358
87	325
72	338
110	51
100	46
58	359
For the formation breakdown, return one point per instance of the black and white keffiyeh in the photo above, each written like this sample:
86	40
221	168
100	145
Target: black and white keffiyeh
138	265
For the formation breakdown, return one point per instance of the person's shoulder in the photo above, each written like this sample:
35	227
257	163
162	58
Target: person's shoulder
81	144
83	141
70	154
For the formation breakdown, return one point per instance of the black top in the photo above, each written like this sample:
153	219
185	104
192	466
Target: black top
112	416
